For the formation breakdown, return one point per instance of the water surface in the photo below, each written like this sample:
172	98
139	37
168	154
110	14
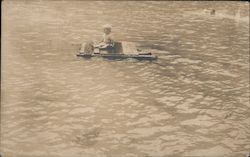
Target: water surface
192	101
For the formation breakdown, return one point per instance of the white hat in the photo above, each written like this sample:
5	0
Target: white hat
107	26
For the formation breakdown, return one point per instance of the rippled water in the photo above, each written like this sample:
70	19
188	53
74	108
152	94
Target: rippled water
192	101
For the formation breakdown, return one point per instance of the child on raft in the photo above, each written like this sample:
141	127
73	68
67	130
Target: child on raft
107	40
106	43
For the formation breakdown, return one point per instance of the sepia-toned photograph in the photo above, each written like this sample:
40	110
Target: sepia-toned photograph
124	78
